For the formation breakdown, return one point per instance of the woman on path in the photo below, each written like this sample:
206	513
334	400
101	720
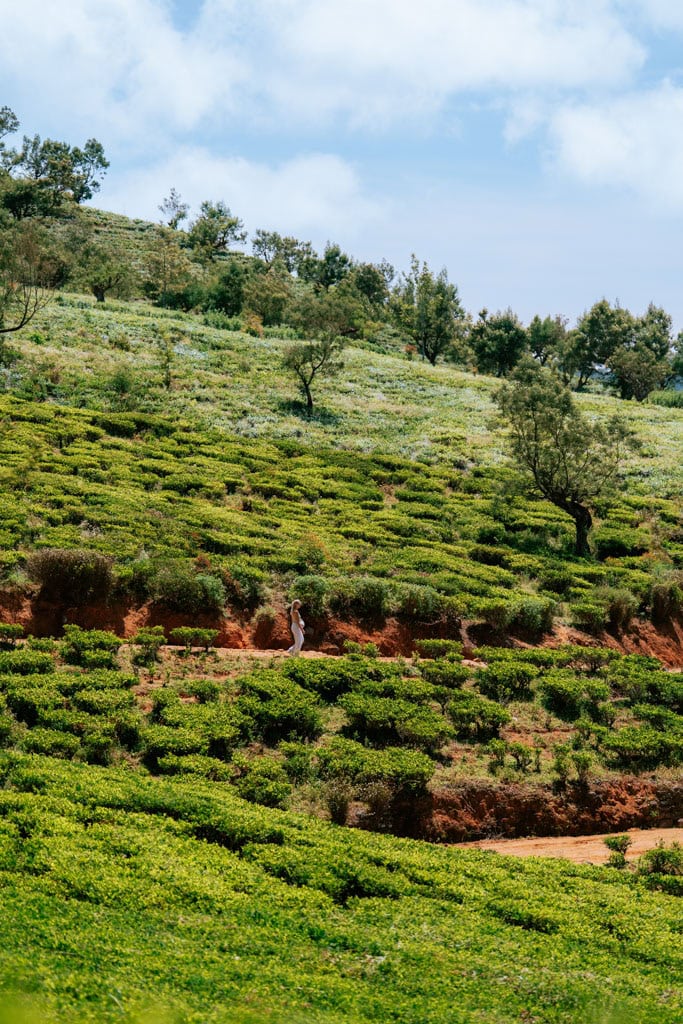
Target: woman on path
297	627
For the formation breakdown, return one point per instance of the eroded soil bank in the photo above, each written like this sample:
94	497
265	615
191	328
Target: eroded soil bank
392	636
476	809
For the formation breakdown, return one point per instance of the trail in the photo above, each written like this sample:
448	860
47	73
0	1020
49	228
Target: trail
579	849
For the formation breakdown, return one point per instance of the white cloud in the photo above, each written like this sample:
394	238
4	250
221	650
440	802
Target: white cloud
124	64
121	65
316	195
633	140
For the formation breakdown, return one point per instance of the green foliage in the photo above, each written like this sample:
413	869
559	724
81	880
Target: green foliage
192	636
476	718
148	642
276	708
262	781
79	646
503	681
72	577
10	632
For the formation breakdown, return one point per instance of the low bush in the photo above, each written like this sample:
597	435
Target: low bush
639	748
364	597
245	585
148	641
570	695
192	636
666	598
25	663
433	649
476	718
262	781
177	585
312	591
10	632
276	708
506	681
79	645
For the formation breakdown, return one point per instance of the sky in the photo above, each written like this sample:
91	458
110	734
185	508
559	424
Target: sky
532	147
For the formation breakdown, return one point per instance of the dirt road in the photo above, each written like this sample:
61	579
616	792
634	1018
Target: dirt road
580	849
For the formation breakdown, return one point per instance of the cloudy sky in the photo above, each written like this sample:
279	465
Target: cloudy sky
533	147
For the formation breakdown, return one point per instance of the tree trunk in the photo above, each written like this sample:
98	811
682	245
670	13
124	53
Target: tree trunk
309	399
99	292
583	522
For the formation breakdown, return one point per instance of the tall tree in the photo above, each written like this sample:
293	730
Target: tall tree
428	308
570	460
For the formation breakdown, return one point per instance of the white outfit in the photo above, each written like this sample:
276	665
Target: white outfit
298	634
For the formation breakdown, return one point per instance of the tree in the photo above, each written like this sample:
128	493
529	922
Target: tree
105	269
546	337
498	342
270	247
27	275
312	358
571	461
637	371
167	267
215	229
326	319
267	295
428	308
173	210
598	333
52	172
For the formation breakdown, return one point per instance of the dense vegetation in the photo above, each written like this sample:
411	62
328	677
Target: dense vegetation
168	819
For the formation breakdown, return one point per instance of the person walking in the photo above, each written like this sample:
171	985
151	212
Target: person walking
297	627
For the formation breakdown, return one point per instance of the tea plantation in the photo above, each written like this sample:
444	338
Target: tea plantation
395	498
171	840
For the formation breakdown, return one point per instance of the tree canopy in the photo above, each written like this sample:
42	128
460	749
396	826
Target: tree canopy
571	460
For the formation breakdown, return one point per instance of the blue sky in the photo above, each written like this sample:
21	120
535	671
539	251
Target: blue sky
533	147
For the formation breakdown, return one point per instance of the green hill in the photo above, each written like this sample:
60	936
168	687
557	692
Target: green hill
400	478
143	876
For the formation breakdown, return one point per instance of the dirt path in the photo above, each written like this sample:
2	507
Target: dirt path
580	849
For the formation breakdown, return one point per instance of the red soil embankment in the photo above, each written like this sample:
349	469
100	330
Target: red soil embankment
476	809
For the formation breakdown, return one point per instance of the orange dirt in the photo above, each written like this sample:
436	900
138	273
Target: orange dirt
580	849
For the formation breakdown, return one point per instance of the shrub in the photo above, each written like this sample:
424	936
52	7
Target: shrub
421	604
262	781
666	598
522	755
639	748
176	585
384	720
445	673
25	663
80	644
149	640
569	695
532	616
160	740
10	632
617	845
619	541
506	681
364	596
276	708
476	718
312	591
196	764
337	795
51	742
71	577
245	586
207	691
662	860
331	677
451	649
191	636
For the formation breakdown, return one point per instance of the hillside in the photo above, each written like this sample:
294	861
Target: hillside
167	846
400	479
